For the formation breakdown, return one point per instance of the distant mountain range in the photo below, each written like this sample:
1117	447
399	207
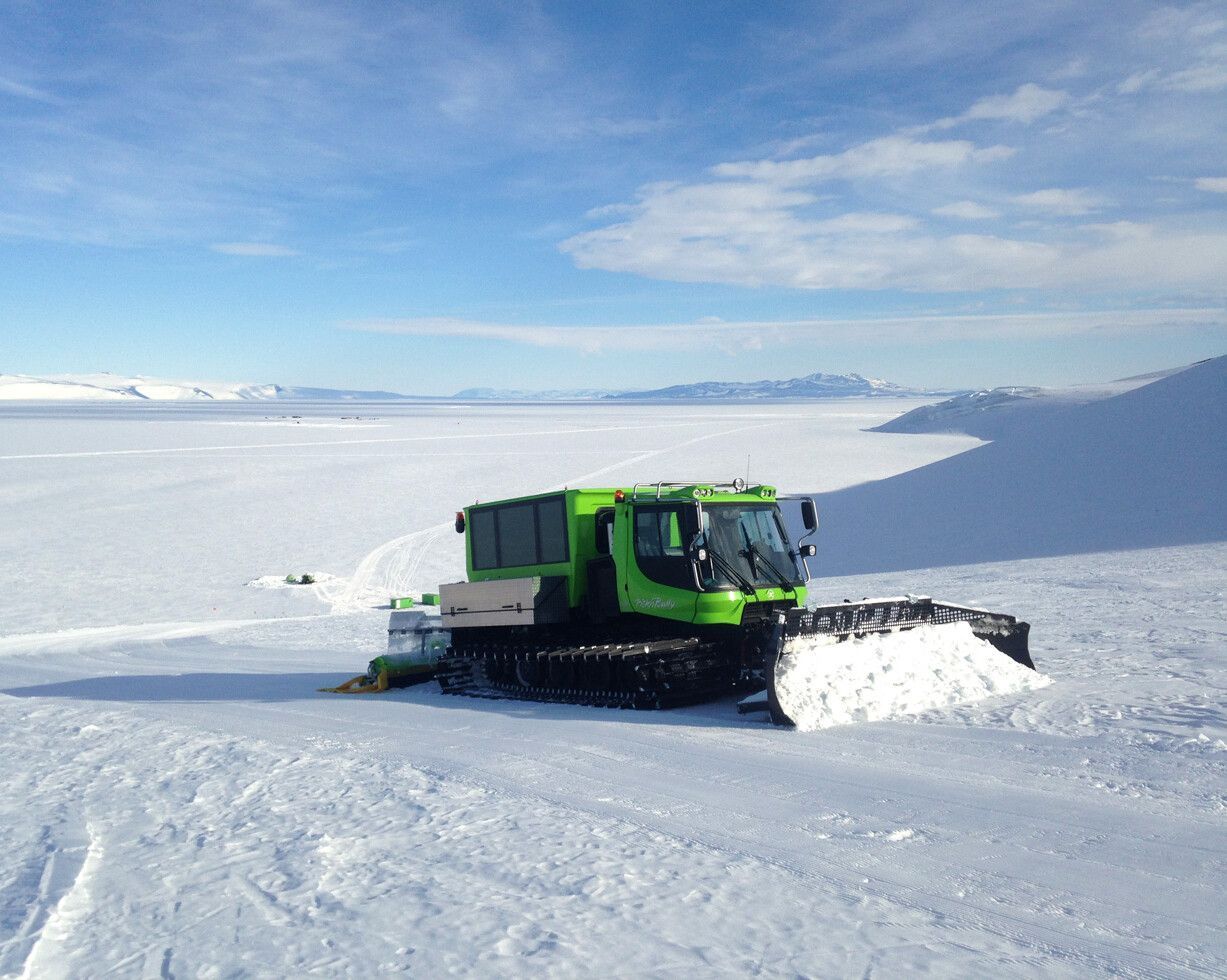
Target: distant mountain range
113	387
521	395
816	385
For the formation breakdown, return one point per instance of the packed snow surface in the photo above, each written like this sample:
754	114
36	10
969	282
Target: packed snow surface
180	801
822	681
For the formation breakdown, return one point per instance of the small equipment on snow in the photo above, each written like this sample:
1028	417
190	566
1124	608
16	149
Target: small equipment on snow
415	643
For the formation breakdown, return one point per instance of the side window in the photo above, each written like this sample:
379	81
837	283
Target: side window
671	536
658	534
604	531
659	546
647	534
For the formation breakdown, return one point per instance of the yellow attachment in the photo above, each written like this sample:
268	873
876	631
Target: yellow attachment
361	684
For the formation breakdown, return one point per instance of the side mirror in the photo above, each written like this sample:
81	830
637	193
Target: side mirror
808	550
809	514
460	522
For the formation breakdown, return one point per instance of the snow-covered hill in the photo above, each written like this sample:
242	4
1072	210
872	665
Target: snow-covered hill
993	413
114	387
1135	470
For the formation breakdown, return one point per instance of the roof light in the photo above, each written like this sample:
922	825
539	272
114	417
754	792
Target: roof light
619	496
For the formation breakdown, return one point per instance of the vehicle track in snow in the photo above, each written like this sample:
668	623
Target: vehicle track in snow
37	898
895	828
449	437
392	568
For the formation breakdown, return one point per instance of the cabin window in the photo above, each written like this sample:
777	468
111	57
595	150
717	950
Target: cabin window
517	534
661	536
527	532
482	539
552	529
604	531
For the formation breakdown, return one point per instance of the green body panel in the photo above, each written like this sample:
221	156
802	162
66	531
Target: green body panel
637	593
581	508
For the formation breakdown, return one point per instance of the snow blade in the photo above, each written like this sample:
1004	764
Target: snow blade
848	619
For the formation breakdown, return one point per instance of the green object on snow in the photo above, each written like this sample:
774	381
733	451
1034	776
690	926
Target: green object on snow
402	603
430	598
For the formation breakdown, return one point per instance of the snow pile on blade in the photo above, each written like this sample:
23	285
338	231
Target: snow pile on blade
821	682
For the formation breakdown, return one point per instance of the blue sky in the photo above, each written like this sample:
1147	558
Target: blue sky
424	197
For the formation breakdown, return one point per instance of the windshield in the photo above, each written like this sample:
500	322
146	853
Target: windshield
752	541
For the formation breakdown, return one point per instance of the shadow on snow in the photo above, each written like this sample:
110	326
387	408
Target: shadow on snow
1140	470
239	688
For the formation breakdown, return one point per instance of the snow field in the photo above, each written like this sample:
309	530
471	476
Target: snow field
219	856
181	802
821	681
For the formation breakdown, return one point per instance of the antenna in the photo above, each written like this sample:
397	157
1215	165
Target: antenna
747	469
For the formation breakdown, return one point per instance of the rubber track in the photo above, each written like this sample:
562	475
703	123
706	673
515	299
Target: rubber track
646	674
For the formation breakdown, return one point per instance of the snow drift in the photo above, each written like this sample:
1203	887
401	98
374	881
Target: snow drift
1141	469
821	682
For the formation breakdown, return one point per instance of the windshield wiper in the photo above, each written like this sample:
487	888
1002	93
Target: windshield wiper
729	569
754	554
781	579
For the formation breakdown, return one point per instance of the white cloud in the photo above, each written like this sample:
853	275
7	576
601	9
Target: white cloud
1218	185
1026	104
586	340
253	249
1196	52
1138	81
886	156
857	223
758	234
10	87
737	335
772	222
1206	77
967	210
1061	201
251	114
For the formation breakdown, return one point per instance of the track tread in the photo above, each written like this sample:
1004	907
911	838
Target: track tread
656	672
